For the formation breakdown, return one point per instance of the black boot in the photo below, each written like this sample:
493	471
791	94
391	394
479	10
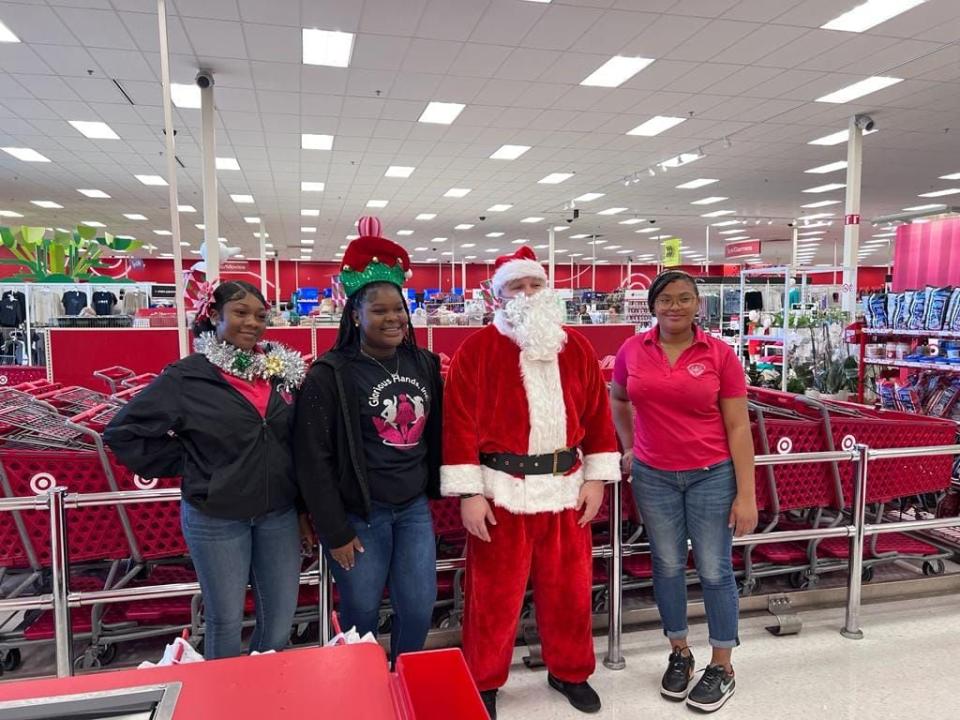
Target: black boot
489	698
583	697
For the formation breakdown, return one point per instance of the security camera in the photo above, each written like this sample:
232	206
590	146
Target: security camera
204	79
575	215
864	122
652	221
482	218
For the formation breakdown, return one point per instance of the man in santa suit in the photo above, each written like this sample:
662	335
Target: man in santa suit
528	444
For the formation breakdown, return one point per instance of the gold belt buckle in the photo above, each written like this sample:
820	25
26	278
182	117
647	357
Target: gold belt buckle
556	458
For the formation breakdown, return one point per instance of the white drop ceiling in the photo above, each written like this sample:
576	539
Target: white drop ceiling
745	73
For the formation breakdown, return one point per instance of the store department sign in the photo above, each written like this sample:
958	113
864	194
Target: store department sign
670	252
233	266
741	249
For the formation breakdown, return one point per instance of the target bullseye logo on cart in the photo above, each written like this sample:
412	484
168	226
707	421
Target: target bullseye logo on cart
42	482
849	442
784	446
4	379
143	483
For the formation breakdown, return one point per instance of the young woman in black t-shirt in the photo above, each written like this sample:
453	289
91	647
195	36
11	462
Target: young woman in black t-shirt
367	448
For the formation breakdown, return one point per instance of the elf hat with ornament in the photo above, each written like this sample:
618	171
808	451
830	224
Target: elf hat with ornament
520	264
373	258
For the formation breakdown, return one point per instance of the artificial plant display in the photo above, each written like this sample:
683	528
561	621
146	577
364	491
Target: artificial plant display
58	256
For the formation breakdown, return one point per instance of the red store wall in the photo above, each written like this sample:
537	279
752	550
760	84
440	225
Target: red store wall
927	254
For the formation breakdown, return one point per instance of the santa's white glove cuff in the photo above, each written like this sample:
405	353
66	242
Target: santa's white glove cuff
602	466
460	480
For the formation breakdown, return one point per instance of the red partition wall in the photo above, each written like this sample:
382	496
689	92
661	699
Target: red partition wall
607	339
298	338
446	340
927	254
326	336
74	355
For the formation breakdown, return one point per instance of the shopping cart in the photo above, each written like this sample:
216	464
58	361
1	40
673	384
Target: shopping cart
114	376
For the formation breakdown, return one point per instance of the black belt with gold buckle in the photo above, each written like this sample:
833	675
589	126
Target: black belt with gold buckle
559	462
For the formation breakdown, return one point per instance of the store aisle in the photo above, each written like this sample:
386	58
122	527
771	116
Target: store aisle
903	668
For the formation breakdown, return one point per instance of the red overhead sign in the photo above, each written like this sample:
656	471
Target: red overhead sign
741	249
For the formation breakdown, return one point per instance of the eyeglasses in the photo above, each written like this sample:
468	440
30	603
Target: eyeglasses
684	301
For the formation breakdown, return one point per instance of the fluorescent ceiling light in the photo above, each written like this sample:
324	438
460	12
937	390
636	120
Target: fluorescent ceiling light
825	188
738	237
92	223
631	221
612	211
869	14
6	34
596	242
162	233
589	197
312	141
532	220
494	234
327	47
821	203
492	250
463	226
729	232
91	193
185	95
648	230
25	154
811	233
579	236
10	214
377	203
616	71
399	171
438	240
859	89
837	138
560	252
47	204
940	193
307	186
500	207
186	208
725	223
613	247
242	199
307	212
304	229
509	152
554	178
200	226
307	241
817	216
404	232
680	160
151	179
952	176
441	113
719	213
624	252
426	216
709	200
226	163
656	125
457	192
698	183
250	220
94	130
468	245
828	168
134	216
917	208
560	228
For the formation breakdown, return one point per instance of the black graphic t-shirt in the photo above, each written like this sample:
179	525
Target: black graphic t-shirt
74	301
103	302
393	416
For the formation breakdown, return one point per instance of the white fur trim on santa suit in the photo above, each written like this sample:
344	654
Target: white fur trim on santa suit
460	480
514	270
602	466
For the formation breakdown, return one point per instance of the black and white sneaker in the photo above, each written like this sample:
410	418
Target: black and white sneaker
715	687
676	679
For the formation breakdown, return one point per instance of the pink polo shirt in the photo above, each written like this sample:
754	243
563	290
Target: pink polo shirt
677	423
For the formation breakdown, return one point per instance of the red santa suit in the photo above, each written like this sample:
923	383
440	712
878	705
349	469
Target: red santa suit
498	400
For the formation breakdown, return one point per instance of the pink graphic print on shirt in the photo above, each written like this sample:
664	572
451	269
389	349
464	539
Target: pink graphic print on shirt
402	420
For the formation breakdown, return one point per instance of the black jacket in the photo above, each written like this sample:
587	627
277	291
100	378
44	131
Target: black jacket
330	462
234	463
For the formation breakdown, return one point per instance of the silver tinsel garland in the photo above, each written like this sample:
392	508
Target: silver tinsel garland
276	362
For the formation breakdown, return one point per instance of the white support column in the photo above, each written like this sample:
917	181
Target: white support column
453	266
795	247
551	241
211	225
593	277
263	260
276	279
851	226
170	150
463	278
706	263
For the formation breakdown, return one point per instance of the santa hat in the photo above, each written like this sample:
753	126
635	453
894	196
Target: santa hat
373	258
520	264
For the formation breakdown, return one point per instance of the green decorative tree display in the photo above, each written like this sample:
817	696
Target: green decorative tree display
65	257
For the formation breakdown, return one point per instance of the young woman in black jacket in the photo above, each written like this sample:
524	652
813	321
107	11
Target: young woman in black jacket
367	448
221	419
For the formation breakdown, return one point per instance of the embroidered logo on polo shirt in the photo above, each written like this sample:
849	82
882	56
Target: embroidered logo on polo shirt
696	369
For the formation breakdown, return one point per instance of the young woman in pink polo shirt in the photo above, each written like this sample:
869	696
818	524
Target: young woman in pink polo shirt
679	400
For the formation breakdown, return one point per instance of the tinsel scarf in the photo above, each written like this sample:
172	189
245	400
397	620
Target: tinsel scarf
275	362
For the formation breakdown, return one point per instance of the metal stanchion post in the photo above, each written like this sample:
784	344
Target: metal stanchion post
326	599
614	659
60	571
851	627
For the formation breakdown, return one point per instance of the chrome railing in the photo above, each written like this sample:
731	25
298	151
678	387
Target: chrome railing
57	502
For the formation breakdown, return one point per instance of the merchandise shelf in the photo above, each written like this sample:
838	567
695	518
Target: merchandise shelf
913	333
941	367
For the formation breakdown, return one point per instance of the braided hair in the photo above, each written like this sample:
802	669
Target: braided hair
348	335
227	292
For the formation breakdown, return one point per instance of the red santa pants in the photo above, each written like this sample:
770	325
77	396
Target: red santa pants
555	553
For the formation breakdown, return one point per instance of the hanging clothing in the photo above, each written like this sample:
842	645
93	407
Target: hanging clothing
13	308
74	301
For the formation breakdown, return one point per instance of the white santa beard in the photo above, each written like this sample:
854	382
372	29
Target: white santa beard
534	323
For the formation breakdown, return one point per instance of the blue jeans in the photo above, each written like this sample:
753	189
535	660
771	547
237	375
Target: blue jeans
694	505
227	554
399	552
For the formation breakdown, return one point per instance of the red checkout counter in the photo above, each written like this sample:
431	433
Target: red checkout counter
349	682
